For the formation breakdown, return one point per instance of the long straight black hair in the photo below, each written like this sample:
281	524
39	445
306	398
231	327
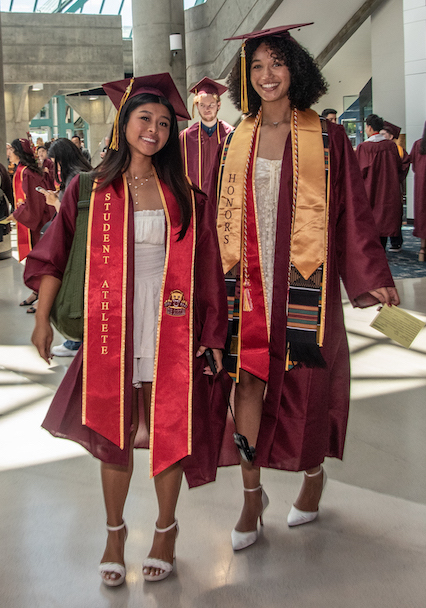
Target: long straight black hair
25	158
68	160
167	162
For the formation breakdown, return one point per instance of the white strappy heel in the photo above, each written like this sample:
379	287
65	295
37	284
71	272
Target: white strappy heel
153	562
296	517
241	540
108	568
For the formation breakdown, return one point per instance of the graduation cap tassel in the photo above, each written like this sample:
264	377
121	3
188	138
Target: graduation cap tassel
114	140
244	92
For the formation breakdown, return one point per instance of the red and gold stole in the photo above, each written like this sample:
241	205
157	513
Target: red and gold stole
105	312
238	230
199	179
23	233
171	403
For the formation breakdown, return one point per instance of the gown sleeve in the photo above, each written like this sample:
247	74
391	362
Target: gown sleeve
50	255
361	258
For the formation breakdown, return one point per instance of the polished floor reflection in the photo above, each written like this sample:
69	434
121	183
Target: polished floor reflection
367	548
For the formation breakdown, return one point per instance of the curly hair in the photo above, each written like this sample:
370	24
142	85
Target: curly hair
307	84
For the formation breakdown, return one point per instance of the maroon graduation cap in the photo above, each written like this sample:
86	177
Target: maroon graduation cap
207	86
162	85
392	129
282	30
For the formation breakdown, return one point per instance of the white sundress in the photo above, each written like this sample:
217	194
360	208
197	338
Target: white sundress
149	268
267	186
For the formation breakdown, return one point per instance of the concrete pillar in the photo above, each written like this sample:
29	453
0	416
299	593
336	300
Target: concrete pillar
415	79
3	158
153	22
100	115
387	62
17	110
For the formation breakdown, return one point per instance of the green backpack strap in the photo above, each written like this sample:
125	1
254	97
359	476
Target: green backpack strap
78	249
67	313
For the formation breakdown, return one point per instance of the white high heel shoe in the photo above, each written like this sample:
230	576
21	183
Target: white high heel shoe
113	567
154	562
296	517
241	540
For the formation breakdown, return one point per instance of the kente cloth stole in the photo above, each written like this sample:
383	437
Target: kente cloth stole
308	235
199	179
171	402
23	233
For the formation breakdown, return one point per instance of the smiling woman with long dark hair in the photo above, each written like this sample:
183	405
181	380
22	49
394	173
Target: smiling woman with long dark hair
153	280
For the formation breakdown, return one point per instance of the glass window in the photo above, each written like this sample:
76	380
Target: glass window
92	7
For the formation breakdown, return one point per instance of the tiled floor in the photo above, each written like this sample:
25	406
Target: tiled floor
367	549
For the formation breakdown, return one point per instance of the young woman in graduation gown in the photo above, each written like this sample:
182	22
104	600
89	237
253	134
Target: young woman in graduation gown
31	210
154	301
292	219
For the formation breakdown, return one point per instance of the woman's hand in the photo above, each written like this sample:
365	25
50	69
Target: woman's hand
386	295
52	199
382	295
217	356
42	338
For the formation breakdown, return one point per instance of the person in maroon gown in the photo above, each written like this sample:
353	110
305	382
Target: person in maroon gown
293	219
31	211
418	164
202	142
47	166
383	172
164	294
392	132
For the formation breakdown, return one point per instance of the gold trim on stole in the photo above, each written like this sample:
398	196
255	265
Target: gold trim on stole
123	309
86	304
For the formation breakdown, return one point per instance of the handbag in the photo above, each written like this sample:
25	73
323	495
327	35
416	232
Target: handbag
67	313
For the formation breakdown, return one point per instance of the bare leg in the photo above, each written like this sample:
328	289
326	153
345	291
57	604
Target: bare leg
167	487
248	411
422	254
310	492
115	484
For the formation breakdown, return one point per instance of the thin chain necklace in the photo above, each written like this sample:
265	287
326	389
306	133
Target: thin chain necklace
273	124
138	181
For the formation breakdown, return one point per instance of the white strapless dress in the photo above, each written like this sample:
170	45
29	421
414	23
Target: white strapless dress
149	268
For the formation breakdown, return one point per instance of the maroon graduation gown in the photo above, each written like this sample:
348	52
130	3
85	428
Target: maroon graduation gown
35	212
210	325
418	164
211	150
305	411
383	171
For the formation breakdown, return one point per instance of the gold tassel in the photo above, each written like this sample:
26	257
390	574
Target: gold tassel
247	301
194	102
114	140
244	93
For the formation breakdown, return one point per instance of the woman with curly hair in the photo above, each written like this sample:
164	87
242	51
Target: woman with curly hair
31	211
293	218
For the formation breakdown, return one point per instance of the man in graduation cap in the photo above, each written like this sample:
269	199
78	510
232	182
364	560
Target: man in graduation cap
383	171
392	132
202	143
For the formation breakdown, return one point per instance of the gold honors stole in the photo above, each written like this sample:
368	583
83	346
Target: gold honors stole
236	220
23	233
200	176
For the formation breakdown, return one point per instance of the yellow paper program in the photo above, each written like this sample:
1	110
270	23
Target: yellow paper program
397	324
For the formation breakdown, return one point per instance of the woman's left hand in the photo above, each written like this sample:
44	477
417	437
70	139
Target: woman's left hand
386	295
217	355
